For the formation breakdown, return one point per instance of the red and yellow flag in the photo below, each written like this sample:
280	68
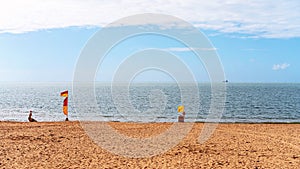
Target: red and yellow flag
64	93
65	106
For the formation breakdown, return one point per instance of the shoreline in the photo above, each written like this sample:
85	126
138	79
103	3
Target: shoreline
10	121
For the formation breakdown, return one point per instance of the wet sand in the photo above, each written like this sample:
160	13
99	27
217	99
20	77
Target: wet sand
66	145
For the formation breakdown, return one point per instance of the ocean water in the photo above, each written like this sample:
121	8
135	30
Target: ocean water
245	102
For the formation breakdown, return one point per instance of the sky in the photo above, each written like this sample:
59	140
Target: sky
256	41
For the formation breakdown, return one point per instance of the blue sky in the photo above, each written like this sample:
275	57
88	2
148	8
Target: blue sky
256	41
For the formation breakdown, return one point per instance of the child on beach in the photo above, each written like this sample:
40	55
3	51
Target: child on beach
30	119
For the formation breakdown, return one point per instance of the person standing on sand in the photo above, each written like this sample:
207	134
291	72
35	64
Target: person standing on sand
181	117
30	119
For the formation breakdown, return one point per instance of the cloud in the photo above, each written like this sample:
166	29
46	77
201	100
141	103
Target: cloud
256	18
186	49
280	66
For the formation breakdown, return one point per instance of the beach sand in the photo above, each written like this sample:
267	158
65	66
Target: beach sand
66	145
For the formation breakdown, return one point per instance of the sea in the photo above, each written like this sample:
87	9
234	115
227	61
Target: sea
150	102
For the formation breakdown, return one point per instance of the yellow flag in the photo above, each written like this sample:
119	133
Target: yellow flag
180	109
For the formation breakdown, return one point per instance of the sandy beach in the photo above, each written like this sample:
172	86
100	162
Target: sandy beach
66	145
